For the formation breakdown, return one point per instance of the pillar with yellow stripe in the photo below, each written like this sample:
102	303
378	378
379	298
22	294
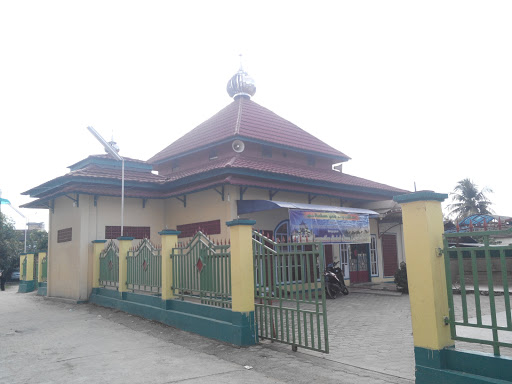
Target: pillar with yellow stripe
423	237
242	280
169	241
28	282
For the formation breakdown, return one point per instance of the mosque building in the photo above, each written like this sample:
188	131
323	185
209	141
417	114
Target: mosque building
243	162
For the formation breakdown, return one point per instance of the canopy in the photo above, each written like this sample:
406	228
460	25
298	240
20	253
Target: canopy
248	206
480	219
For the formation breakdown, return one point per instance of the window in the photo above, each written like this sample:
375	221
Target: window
114	231
175	164
373	256
344	259
213	154
207	227
311	161
64	235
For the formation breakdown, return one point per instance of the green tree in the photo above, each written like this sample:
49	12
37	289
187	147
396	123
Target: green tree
37	241
468	200
10	246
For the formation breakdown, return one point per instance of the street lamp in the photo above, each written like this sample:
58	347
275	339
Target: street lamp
112	151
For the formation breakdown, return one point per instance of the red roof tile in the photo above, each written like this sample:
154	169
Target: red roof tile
268	165
245	118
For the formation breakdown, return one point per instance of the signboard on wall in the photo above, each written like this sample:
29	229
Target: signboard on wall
329	227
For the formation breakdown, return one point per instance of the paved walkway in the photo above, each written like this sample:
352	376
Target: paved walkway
48	341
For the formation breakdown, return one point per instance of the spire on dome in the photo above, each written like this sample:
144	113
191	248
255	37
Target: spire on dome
241	84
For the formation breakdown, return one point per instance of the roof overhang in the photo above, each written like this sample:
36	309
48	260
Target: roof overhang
249	206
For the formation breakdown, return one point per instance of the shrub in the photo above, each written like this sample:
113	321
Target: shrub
401	278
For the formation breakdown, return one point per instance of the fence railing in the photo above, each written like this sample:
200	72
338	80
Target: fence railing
481	274
144	267
35	267
24	268
44	269
290	293
201	270
109	265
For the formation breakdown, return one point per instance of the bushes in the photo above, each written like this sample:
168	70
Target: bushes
401	278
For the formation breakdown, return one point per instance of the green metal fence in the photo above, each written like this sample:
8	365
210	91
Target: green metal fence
109	265
144	267
24	268
44	269
36	268
201	270
290	293
481	273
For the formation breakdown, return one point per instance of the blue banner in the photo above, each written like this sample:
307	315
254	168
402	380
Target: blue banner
329	227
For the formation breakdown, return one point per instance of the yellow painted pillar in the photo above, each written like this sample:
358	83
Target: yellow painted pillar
97	247
423	237
242	265
124	246
30	267
169	241
40	258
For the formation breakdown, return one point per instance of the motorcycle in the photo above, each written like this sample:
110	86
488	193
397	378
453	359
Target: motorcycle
334	282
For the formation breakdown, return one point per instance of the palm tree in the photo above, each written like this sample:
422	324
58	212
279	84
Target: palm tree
468	200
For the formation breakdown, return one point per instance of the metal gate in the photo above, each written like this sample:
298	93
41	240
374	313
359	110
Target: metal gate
290	293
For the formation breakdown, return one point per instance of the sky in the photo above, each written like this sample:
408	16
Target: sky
413	91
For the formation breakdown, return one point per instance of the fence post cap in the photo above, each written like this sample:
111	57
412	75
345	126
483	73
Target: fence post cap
99	241
240	222
419	196
125	238
169	232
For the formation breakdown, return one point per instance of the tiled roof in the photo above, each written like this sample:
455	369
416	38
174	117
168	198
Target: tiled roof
288	169
246	119
96	172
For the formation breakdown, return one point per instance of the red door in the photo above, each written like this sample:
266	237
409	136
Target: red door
389	254
359	271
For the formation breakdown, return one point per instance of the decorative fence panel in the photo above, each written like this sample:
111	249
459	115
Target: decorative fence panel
144	267
481	273
201	270
36	267
24	268
44	269
109	265
290	293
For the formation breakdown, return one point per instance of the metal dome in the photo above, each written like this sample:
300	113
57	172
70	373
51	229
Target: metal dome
241	84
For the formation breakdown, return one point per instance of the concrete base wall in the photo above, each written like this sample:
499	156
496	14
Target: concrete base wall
26	286
213	322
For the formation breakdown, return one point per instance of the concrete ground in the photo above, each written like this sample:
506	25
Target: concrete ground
48	341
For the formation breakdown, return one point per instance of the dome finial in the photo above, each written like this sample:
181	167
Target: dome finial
241	84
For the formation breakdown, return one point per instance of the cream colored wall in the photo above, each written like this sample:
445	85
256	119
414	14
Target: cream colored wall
201	206
64	258
108	213
70	263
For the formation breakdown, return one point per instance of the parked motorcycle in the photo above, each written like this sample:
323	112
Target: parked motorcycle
334	281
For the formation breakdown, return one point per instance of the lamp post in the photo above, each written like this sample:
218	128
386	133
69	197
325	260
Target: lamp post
111	150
